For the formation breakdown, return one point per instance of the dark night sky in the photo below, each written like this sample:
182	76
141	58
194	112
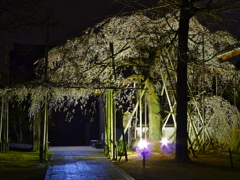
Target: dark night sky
77	16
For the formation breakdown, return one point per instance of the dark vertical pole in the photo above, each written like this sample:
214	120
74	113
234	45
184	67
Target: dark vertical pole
144	157
113	63
230	156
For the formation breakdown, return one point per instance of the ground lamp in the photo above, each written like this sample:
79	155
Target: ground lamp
143	148
165	144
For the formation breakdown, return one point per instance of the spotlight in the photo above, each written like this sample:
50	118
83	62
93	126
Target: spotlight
164	142
142	144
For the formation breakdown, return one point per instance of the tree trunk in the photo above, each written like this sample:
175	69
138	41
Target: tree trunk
181	89
155	118
43	150
36	131
7	126
4	140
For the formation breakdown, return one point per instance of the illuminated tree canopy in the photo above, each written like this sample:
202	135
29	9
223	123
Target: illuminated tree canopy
122	49
142	46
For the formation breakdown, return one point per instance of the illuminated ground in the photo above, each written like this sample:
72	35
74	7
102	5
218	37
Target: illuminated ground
208	166
82	163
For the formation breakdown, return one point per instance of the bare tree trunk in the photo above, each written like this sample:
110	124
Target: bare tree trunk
155	118
181	89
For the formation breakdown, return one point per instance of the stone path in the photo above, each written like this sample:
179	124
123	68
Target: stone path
82	163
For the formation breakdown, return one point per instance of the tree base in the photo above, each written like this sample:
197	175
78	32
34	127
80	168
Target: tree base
183	160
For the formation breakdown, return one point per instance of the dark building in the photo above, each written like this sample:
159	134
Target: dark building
4	70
